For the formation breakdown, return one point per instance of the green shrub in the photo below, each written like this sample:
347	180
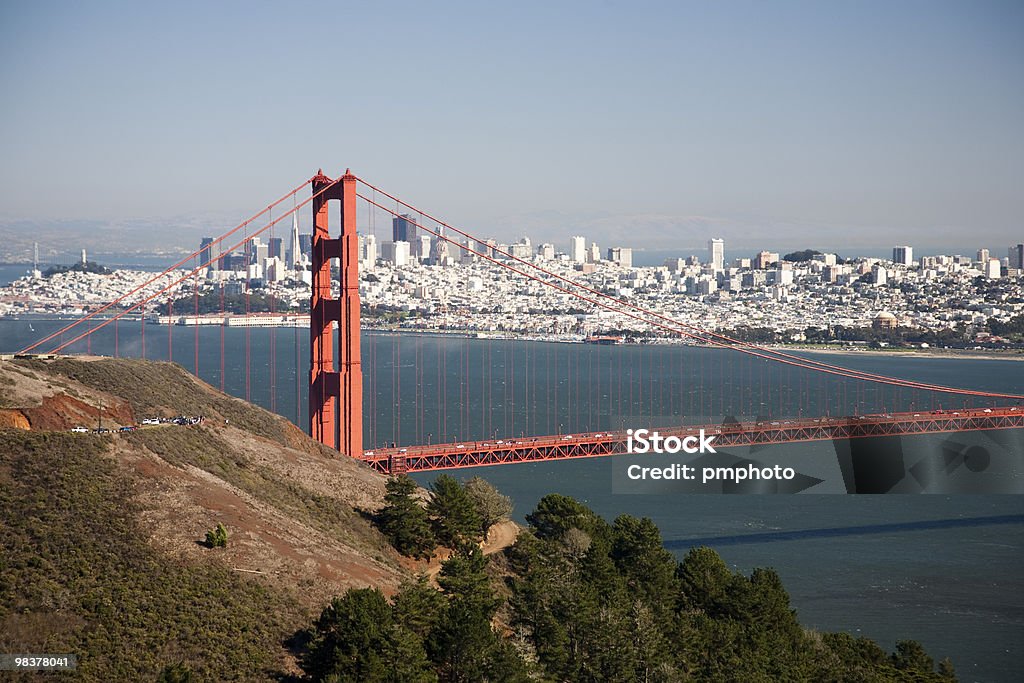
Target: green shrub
217	537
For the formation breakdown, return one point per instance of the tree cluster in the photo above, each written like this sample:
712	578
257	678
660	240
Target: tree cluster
1012	328
87	267
800	256
594	601
220	302
588	601
456	515
424	635
897	337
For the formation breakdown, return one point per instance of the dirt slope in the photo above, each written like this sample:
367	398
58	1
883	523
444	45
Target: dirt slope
295	512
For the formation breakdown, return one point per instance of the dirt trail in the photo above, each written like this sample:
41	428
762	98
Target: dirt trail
501	536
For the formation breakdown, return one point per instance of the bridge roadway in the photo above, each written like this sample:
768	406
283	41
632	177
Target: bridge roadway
595	444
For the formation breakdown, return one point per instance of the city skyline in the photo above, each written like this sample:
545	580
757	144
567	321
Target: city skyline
69	252
865	121
405	249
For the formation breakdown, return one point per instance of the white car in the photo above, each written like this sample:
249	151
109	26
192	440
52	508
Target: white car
80	430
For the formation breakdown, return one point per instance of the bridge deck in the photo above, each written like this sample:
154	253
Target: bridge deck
595	444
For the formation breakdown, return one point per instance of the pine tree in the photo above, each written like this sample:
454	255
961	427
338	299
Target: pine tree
640	556
357	638
418	606
453	514
463	644
910	655
556	514
408	661
351	638
705	581
491	505
946	669
404	521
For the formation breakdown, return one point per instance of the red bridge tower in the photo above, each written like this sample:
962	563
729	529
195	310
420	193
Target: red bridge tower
335	393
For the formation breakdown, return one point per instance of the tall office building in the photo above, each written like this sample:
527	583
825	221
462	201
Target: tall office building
765	259
274	270
716	253
594	253
306	247
621	255
439	255
258	252
521	249
369	253
577	249
206	253
467	255
235	261
903	255
403	229
274	248
420	248
395	253
297	260
1017	256
983	257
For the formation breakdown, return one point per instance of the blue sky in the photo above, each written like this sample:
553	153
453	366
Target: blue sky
826	122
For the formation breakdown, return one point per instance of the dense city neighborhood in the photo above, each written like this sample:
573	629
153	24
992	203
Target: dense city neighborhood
429	284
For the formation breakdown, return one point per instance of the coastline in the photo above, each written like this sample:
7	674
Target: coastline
957	354
508	335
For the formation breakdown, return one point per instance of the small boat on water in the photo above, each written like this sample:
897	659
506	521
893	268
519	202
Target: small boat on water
604	340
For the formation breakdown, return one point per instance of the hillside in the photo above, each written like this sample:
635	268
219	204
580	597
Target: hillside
100	551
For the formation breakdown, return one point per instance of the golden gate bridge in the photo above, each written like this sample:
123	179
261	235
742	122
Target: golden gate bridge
335	392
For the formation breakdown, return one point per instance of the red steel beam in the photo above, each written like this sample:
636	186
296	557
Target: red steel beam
541	448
